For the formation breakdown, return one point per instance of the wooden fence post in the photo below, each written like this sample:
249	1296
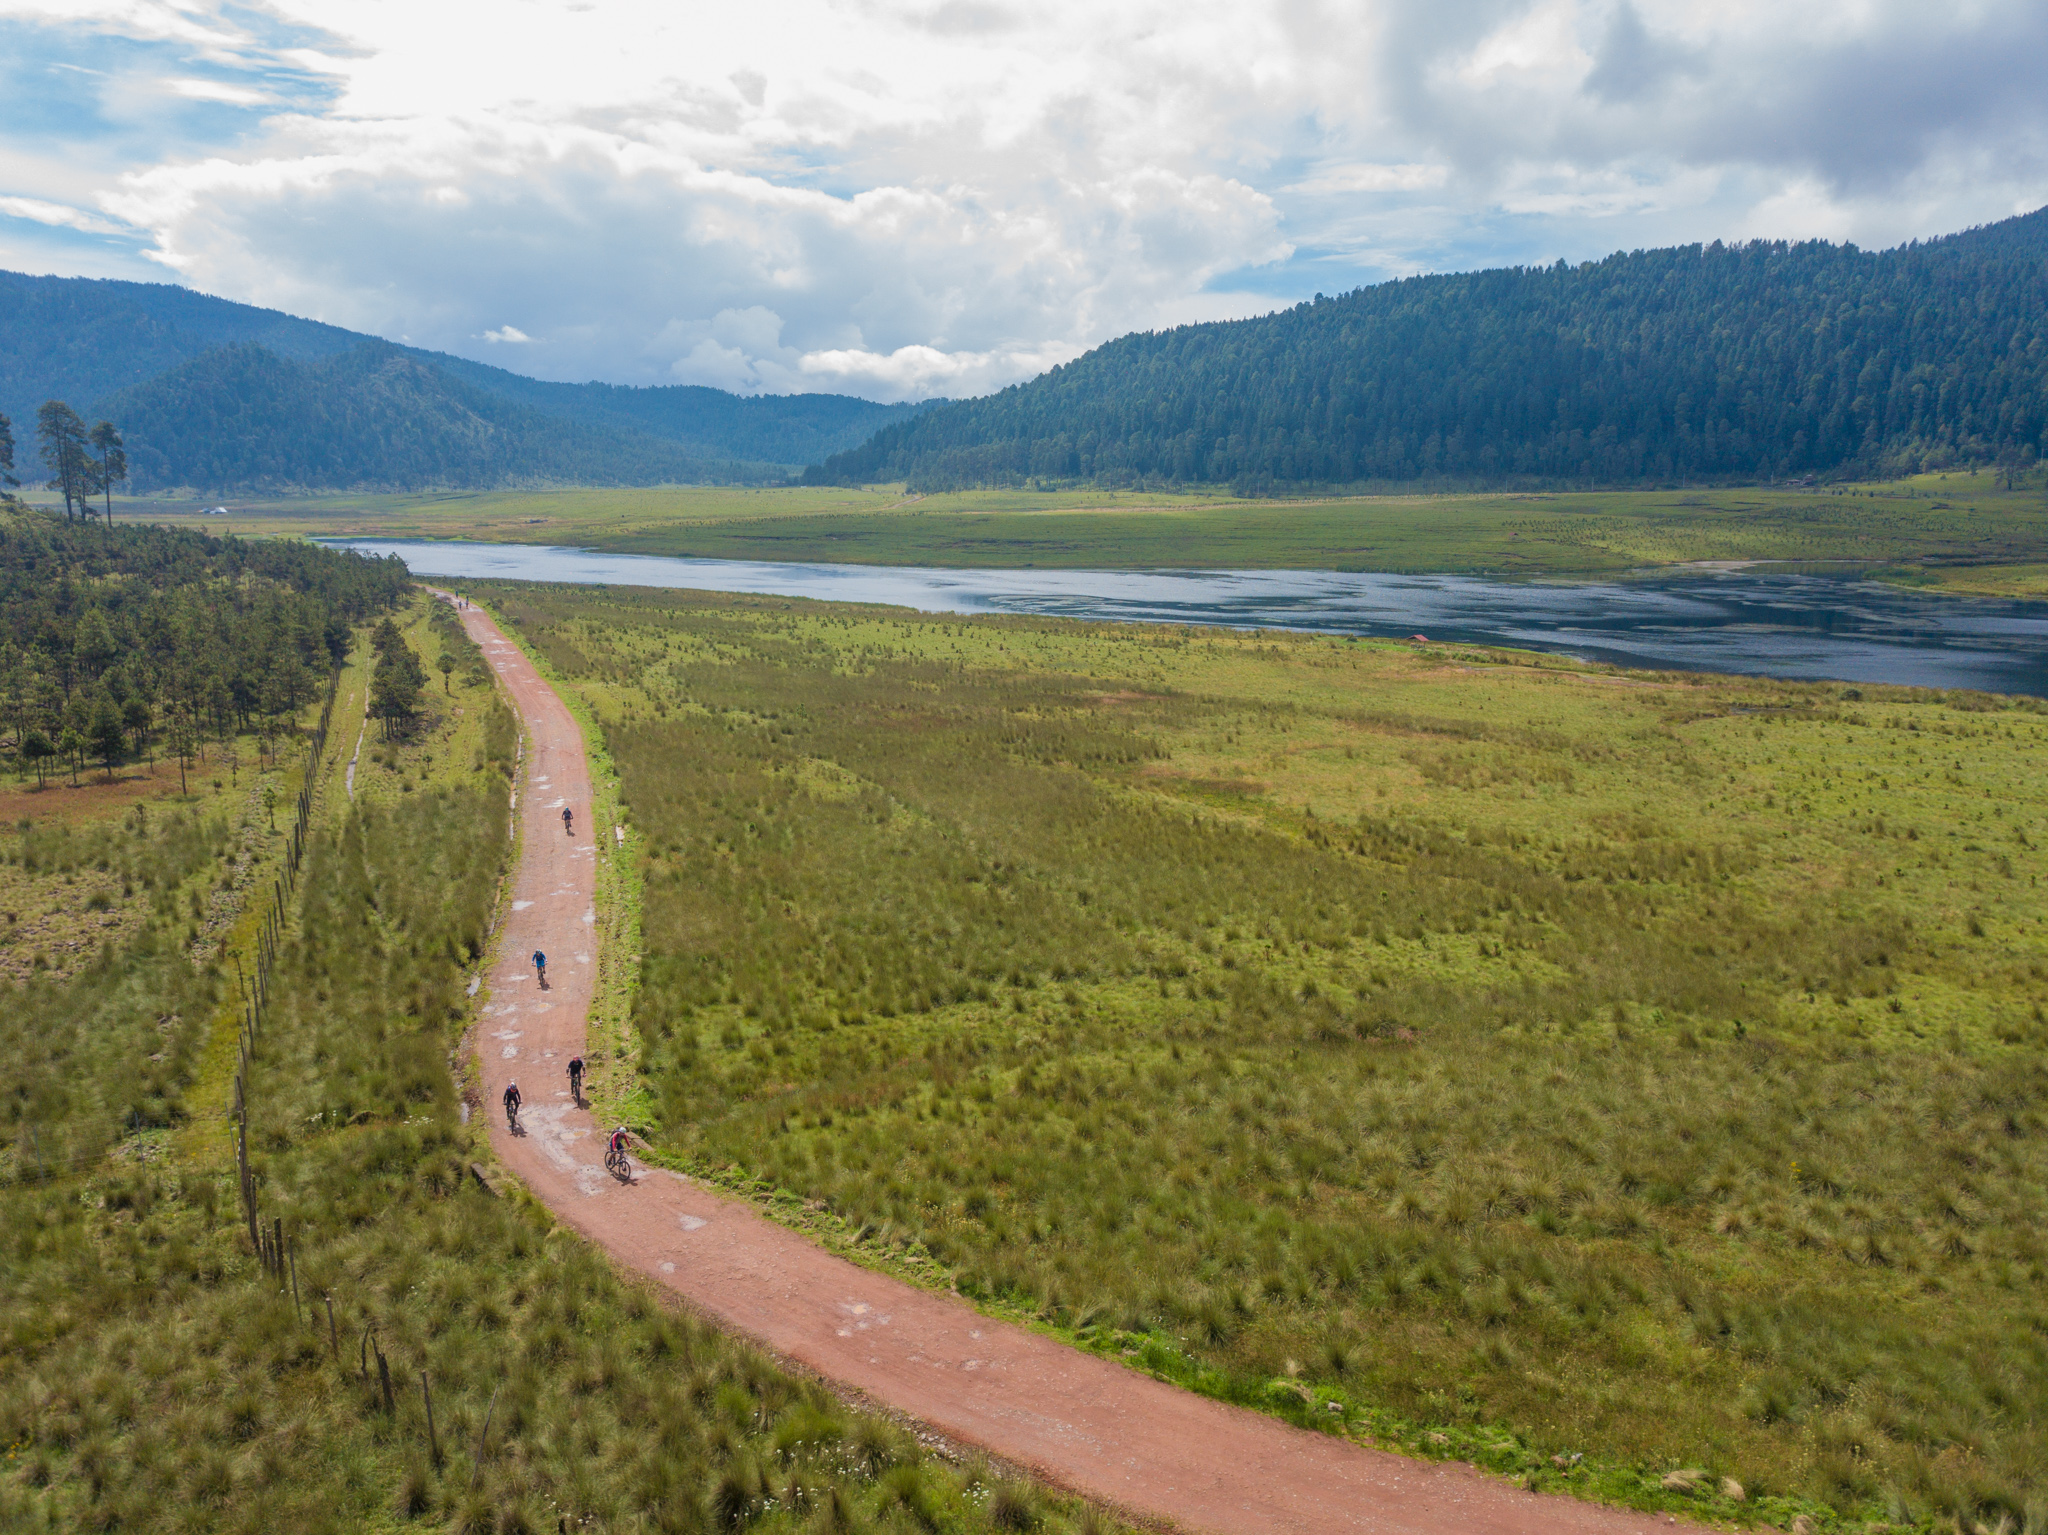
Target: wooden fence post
433	1439
476	1469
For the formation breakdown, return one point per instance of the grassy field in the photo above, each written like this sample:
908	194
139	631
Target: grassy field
1948	521
1538	1062
153	1377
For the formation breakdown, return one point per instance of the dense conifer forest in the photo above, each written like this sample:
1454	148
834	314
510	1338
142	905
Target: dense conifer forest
123	642
1700	363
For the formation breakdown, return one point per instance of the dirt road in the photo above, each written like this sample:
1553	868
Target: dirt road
1080	1422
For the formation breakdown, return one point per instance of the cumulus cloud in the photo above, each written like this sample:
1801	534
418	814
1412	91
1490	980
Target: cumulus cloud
901	198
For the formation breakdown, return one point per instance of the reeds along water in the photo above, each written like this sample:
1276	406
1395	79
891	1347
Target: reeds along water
1572	1127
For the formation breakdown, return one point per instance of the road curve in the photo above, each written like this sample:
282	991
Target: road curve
1080	1422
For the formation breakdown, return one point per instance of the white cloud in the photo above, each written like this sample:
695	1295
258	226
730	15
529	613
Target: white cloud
221	90
904	197
56	215
1543	41
913	372
202	26
1373	178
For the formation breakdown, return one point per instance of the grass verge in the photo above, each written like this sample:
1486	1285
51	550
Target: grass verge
1966	524
1645	1069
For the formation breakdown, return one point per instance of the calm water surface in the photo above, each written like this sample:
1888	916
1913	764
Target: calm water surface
1748	621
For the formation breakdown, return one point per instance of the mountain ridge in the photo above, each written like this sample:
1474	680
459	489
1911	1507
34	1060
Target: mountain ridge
101	343
1686	364
373	418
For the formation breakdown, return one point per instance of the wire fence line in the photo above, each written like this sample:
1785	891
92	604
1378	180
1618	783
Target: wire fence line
270	1246
274	1247
79	1149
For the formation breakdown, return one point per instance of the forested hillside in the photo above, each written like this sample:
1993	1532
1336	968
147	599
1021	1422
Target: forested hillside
94	343
373	417
124	641
1744	362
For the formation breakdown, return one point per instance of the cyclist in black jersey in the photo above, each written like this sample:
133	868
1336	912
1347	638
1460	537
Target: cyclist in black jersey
576	1077
512	1106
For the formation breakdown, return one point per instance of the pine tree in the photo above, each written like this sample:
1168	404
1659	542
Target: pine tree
395	684
112	462
107	733
63	437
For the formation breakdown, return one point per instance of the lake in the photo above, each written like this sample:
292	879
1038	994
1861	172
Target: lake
1752	621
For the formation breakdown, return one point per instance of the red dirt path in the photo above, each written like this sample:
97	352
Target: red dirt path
1080	1422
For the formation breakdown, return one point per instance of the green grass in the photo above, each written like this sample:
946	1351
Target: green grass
154	1378
1635	1067
1952	521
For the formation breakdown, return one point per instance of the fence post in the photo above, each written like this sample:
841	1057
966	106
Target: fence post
483	1438
248	1189
433	1439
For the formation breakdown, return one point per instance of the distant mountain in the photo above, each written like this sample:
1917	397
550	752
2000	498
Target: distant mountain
112	347
788	429
80	339
372	418
1741	362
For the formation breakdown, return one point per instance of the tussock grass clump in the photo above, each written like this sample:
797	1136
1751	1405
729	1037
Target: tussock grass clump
111	1050
1651	1065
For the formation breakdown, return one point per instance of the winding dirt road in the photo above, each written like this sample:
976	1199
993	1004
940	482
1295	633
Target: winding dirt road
1082	1423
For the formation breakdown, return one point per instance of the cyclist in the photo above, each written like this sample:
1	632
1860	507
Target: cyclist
576	1077
540	967
512	1105
617	1147
568	816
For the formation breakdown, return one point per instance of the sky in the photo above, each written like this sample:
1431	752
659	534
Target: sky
948	196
